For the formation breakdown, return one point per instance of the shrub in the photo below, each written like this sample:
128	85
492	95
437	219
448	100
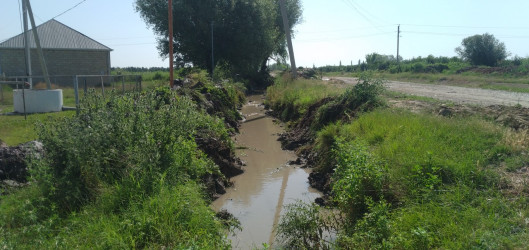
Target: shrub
137	137
303	227
372	231
157	76
358	177
363	96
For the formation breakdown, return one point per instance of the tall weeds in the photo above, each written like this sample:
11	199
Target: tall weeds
120	174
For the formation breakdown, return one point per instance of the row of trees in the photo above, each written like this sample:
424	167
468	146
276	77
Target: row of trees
474	50
245	33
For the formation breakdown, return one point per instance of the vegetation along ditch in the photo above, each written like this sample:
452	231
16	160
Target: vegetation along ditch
400	179
129	171
146	170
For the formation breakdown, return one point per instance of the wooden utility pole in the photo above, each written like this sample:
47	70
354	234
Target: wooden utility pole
286	26
171	71
26	44
39	48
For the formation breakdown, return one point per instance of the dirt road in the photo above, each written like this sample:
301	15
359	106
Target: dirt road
459	95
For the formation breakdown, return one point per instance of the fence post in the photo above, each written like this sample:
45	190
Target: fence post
76	91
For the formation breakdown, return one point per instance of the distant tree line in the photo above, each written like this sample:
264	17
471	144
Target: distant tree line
140	69
478	50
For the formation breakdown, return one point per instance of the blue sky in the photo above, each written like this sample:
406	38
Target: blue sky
332	30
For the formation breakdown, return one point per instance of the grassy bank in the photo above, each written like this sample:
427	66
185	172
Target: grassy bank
127	172
416	181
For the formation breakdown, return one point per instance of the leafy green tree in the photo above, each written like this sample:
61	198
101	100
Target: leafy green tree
482	50
246	33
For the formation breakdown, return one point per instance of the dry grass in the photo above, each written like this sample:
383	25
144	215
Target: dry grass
517	140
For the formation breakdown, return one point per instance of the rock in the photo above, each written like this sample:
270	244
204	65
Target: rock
298	161
445	111
13	164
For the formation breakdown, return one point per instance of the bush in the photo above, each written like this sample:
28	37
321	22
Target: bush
134	138
157	76
363	96
120	174
303	226
358	177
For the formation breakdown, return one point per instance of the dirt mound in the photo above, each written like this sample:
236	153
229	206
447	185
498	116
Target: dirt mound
13	165
300	134
486	70
225	158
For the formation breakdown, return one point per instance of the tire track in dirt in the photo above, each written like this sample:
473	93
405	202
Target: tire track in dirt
459	95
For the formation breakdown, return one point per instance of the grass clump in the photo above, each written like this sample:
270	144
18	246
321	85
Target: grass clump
293	97
363	96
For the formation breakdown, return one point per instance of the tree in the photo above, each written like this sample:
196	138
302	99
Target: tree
246	33
482	50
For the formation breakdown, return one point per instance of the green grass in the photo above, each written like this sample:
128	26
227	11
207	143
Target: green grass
443	176
294	97
15	129
177	217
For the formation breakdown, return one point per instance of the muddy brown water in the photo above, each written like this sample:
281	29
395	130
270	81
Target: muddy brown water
268	183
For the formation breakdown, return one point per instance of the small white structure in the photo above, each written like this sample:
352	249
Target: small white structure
37	100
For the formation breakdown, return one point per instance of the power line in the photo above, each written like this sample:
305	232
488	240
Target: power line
368	13
69	9
352	6
346	38
466	27
348	29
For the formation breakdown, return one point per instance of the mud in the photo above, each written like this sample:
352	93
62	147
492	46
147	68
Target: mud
271	179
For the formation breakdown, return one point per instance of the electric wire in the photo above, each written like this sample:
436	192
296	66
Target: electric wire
367	12
345	38
353	7
69	9
466	27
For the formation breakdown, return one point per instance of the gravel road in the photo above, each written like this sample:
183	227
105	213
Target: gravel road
459	95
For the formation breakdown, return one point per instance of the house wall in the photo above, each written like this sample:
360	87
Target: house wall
63	64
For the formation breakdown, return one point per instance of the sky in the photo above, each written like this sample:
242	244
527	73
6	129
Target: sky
332	31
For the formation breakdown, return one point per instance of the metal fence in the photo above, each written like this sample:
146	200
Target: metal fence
79	84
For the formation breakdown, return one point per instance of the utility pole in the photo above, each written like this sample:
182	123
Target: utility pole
39	48
398	38
26	42
286	26
171	75
212	53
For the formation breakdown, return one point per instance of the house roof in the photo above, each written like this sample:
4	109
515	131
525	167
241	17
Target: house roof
55	35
